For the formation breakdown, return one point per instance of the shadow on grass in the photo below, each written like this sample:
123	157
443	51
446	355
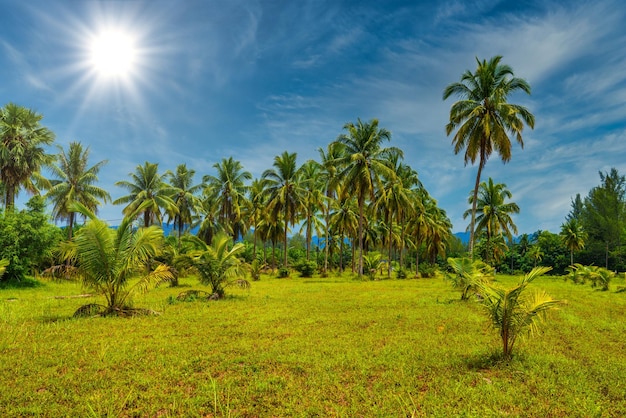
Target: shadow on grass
26	283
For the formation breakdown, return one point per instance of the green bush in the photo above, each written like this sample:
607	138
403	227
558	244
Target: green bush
306	268
283	272
27	239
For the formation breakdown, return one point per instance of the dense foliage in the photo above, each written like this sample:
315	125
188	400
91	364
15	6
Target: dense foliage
27	240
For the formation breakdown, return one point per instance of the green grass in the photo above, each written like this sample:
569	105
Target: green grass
309	347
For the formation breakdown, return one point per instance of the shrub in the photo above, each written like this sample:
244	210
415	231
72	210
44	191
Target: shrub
306	268
598	276
283	272
27	240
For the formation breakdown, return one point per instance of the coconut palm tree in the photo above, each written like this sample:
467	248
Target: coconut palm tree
313	200
285	192
184	196
573	237
206	215
494	213
229	184
255	207
329	171
22	153
485	119
218	265
344	222
116	263
363	163
513	311
147	185
534	252
74	182
395	201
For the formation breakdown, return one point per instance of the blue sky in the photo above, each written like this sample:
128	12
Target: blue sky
252	79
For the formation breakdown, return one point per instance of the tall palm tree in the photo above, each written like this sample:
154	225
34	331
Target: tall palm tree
229	183
147	185
573	236
484	118
363	162
285	193
206	215
74	182
494	212
331	185
395	201
22	154
313	199
344	222
184	196
256	206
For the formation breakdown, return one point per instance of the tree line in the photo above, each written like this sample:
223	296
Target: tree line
358	197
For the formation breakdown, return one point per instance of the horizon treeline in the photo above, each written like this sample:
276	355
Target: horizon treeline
357	197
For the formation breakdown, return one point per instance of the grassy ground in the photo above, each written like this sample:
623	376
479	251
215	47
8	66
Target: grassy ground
309	347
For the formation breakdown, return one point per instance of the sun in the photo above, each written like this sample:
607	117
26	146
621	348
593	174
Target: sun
113	53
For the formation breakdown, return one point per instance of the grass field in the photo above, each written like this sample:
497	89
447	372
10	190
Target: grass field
333	347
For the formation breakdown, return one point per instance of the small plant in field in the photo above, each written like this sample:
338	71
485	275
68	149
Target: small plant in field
108	260
513	311
401	273
373	262
217	265
467	275
256	268
598	276
283	272
306	268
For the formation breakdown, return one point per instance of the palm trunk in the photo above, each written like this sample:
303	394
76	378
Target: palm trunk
326	250
361	204
308	238
401	241
341	252
285	250
390	250
70	225
481	164
354	255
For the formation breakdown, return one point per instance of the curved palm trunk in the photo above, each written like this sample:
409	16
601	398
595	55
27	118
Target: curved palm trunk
474	202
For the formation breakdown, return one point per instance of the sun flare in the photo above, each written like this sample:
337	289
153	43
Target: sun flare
113	54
